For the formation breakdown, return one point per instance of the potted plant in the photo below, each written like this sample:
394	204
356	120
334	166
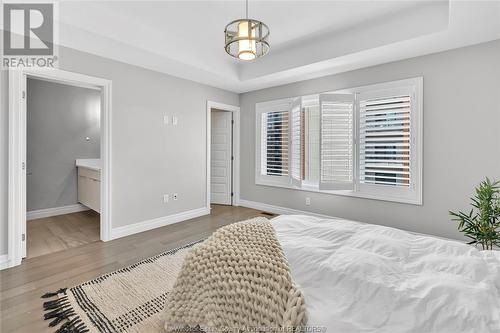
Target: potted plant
482	223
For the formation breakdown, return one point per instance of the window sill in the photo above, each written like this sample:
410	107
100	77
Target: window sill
346	193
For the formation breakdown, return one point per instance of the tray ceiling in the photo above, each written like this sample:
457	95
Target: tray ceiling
308	38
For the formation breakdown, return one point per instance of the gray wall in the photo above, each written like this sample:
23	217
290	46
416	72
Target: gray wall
148	159
59	119
461	138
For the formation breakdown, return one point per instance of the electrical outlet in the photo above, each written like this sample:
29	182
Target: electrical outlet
308	201
175	196
165	198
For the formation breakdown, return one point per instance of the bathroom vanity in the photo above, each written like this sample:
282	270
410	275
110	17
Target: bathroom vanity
89	183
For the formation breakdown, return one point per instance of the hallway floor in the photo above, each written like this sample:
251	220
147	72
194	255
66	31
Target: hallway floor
57	233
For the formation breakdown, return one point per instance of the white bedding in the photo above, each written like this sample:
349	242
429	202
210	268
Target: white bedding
365	278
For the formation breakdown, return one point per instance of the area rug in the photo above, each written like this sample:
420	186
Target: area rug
128	300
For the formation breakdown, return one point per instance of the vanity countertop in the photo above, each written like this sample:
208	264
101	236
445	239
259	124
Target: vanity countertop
89	163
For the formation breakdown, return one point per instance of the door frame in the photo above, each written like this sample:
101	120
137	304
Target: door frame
17	151
235	179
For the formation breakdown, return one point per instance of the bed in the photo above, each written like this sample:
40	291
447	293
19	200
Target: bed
360	277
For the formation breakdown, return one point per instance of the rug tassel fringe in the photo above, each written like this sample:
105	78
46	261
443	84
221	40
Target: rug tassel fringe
59	310
75	325
60	291
51	305
55	312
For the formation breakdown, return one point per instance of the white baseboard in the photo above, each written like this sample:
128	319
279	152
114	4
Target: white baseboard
157	223
41	213
278	210
4	261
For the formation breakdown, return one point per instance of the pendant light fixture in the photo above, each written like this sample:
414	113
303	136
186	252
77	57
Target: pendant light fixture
246	39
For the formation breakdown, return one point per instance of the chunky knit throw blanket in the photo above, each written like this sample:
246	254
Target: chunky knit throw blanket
237	280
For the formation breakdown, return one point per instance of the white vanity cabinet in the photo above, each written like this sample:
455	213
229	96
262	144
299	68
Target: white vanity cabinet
89	183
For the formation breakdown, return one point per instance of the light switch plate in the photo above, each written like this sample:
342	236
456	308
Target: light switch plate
174	120
165	120
165	198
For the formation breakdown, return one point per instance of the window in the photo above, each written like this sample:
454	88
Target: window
385	139
275	140
363	142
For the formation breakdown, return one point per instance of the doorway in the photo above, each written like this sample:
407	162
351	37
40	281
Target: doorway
18	160
222	154
62	151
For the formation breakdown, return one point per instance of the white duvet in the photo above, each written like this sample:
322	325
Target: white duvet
365	278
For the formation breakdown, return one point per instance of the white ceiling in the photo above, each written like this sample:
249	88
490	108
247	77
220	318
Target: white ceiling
308	38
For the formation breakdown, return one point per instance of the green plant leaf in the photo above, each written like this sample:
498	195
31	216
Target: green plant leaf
482	223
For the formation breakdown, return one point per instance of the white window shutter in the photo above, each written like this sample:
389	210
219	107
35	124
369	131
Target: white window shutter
336	141
385	138
296	141
274	143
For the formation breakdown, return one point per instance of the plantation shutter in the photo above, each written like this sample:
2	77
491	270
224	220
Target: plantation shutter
385	137
274	143
295	141
336	141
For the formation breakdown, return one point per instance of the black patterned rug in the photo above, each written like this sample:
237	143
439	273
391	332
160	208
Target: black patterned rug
131	299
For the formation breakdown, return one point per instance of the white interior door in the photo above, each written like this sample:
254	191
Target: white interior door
221	157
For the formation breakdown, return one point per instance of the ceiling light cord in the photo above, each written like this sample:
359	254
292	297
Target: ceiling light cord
246	1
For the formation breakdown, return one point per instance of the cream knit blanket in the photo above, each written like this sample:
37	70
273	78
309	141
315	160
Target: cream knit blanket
237	280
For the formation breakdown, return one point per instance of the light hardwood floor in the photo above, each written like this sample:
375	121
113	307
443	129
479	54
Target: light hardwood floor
57	233
22	286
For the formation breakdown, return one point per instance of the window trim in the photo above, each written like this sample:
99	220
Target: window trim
365	191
